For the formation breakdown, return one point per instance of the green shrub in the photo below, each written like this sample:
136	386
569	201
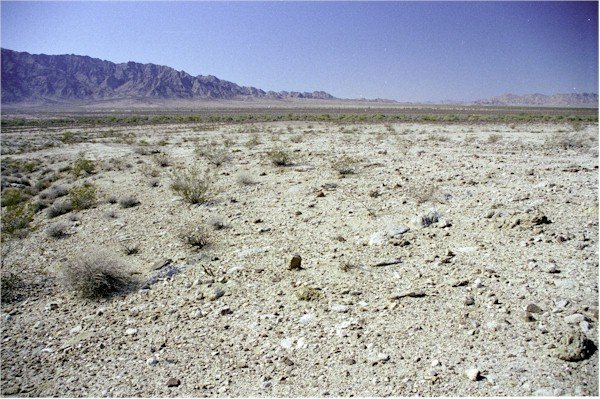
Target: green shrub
83	197
13	196
82	165
16	219
194	186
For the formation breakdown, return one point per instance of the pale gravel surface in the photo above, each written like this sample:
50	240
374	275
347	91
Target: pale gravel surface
272	344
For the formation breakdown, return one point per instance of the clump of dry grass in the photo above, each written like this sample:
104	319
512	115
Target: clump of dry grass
570	141
245	179
216	222
57	230
213	153
128	202
162	159
95	275
494	138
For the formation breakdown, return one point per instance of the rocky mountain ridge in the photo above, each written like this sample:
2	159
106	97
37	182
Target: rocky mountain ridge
71	78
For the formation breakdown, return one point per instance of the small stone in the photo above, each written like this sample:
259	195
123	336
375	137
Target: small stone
575	318
287	343
528	317
349	361
585	326
478	283
51	306
340	308
214	293
473	374
321	194
533	308
131	331
173	382
295	263
152	361
196	314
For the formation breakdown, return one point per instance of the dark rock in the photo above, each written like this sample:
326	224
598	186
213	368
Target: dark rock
574	346
295	263
173	382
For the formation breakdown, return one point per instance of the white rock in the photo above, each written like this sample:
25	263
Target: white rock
287	343
340	308
575	318
307	318
131	331
585	326
472	374
75	330
301	343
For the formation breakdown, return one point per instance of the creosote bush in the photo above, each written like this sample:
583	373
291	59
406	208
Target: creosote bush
13	196
95	275
194	186
82	165
16	219
83	197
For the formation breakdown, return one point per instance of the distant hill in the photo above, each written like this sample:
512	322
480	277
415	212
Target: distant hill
73	78
542	100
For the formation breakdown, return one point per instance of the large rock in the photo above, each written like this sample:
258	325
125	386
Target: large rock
574	346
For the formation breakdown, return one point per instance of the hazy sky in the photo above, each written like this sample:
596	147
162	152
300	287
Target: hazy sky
407	51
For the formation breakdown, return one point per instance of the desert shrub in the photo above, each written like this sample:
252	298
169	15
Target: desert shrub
162	159
245	179
13	196
253	141
153	182
494	138
82	165
57	230
83	197
128	202
279	157
10	283
111	214
59	208
16	219
112	199
345	165
54	192
130	248
568	141
194	186
469	139
297	138
213	153
194	235
95	275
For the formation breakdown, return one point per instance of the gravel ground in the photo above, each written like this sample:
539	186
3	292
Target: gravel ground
457	260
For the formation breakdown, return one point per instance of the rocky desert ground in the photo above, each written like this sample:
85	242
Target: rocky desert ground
320	259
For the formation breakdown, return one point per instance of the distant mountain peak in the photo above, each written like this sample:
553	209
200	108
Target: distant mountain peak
75	78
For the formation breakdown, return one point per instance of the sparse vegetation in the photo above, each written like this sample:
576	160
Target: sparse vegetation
95	275
16	219
194	186
83	165
13	196
59	208
279	157
494	138
569	141
245	179
57	230
195	235
162	159
128	202
216	222
345	165
83	197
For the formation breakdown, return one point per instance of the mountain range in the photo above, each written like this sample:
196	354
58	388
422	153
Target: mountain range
64	79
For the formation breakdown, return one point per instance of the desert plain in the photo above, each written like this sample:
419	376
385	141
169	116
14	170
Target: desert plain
431	259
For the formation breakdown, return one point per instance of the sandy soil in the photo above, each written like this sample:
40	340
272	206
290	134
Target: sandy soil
490	299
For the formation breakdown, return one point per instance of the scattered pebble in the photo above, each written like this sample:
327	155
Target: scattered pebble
473	374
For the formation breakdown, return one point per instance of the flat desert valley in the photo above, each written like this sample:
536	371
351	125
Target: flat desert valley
300	258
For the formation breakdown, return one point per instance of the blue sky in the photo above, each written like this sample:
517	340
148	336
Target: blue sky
407	51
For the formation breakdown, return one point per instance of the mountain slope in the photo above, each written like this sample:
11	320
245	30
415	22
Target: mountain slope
47	78
555	100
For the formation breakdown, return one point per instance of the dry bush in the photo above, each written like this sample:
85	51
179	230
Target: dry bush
128	202
213	153
83	166
16	219
245	179
162	159
216	222
253	141
59	208
194	235
57	230
570	141
279	157
297	138
95	275
345	165
494	138
194	186
425	193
